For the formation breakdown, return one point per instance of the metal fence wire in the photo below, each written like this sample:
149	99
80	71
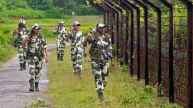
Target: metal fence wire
154	39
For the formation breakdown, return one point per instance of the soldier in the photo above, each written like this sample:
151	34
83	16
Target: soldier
21	31
19	35
61	28
77	49
22	20
60	41
99	56
36	52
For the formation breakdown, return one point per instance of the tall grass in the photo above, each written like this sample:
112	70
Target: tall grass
122	91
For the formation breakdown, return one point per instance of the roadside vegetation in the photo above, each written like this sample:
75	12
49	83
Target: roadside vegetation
67	91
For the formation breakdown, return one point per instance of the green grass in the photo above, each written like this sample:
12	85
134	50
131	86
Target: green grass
6	53
6	50
67	91
39	103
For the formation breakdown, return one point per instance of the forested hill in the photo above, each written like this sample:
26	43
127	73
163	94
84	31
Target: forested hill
44	8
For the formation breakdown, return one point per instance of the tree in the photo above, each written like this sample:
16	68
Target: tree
40	4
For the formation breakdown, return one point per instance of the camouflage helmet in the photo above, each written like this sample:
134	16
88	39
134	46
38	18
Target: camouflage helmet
36	27
100	25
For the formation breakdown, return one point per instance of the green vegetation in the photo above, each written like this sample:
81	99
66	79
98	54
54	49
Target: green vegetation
6	49
44	8
122	91
39	103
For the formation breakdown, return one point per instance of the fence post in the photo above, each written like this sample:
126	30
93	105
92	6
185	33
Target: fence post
159	52
159	73
171	56
190	33
138	37
146	43
128	7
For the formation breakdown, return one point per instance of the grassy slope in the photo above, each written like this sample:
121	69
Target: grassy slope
67	91
6	50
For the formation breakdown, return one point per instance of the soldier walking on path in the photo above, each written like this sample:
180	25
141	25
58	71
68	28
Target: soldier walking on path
36	53
60	41
77	50
19	36
99	56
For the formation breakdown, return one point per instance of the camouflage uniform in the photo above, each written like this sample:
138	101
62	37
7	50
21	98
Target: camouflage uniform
61	45
35	54
21	51
77	50
99	57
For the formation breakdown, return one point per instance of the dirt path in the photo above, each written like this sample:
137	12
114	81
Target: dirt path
14	85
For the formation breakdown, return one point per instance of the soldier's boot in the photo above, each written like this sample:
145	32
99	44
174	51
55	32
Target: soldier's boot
103	76
31	83
37	87
62	57
100	90
58	57
21	66
24	65
74	69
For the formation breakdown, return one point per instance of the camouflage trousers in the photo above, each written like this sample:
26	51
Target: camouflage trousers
60	51
35	67
60	46
98	73
21	54
77	58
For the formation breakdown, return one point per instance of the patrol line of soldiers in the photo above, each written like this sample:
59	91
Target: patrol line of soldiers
34	47
76	38
99	40
36	51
